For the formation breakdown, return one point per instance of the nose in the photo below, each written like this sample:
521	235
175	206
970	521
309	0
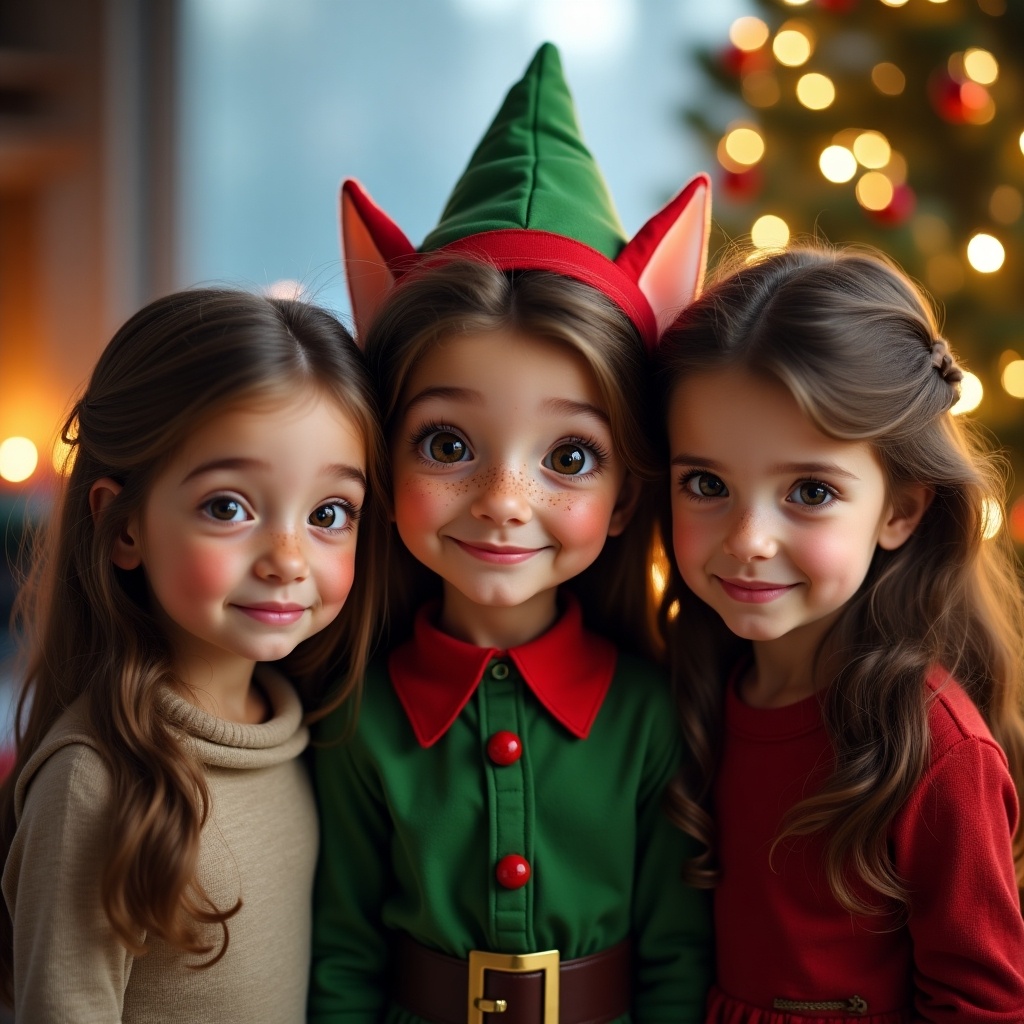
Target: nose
283	559
503	498
750	536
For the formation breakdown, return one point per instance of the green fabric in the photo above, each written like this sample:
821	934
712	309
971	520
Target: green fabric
410	838
532	170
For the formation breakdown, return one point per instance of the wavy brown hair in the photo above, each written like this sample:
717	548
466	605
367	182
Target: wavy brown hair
455	297
858	347
87	628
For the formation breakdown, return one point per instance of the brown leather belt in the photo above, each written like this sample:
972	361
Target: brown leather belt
512	989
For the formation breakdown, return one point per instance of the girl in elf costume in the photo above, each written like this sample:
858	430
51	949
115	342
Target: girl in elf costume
494	845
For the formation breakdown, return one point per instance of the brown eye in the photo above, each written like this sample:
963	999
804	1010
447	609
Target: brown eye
225	510
446	446
330	517
812	492
706	485
568	459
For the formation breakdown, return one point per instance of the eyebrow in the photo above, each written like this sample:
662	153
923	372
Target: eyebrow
338	470
561	405
567	405
794	468
453	394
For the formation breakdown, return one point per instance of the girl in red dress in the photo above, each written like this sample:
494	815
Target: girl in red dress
846	623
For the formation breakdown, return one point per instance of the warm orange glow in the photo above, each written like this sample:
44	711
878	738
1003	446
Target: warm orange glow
18	459
888	79
815	91
748	33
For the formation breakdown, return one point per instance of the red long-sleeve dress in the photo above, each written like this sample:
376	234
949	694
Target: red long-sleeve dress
789	953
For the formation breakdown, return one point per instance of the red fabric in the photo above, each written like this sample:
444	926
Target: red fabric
529	249
781	935
568	670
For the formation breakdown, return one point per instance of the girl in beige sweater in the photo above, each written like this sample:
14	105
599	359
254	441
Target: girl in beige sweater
158	830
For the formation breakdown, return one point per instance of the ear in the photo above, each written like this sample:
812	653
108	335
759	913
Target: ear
904	516
668	256
625	505
126	554
370	240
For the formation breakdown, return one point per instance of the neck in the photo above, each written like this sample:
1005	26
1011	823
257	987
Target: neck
489	626
225	691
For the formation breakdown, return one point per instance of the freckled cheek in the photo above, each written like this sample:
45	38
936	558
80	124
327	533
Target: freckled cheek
834	560
422	505
693	543
583	522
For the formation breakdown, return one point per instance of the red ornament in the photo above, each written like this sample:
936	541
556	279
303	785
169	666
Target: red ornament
900	207
742	186
838	6
737	62
513	871
944	92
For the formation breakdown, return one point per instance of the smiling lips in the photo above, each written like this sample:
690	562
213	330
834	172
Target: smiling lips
273	614
497	554
754	591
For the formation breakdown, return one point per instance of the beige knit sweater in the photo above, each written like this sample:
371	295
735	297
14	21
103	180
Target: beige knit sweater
259	844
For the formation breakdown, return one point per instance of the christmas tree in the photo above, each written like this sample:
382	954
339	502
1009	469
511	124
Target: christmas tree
897	123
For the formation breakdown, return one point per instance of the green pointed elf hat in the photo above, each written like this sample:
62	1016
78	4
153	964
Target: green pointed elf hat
533	198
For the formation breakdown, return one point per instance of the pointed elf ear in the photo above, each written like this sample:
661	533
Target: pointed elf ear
668	256
372	244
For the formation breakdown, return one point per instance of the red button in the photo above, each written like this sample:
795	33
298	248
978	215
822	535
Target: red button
513	871
504	747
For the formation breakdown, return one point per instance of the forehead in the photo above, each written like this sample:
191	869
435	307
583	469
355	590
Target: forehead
504	363
730	413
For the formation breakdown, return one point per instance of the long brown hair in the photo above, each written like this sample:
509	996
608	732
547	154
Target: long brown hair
464	296
87	627
858	347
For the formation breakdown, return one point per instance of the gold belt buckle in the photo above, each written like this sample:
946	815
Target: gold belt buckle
521	963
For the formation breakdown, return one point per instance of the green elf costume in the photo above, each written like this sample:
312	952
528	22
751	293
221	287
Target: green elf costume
494	848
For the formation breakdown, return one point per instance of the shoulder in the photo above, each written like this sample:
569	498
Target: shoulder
954	719
66	772
377	704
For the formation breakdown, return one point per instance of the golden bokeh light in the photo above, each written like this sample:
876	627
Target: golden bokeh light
888	79
748	33
980	66
744	146
985	253
815	91
872	150
793	44
837	163
874	191
1006	204
895	3
770	232
18	459
62	456
1012	378
971	394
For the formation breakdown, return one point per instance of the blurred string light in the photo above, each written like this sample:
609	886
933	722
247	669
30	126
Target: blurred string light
748	33
1012	378
971	394
985	253
872	150
888	79
793	44
815	91
838	164
18	459
874	191
770	232
980	66
1020	142
895	3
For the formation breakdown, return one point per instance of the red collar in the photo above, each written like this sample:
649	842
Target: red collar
568	669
